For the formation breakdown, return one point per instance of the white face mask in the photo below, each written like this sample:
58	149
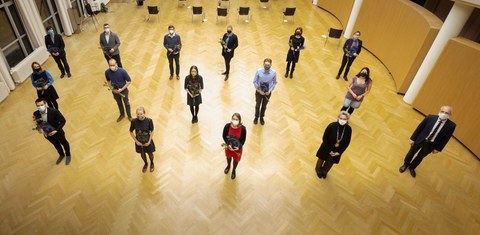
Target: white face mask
41	108
342	122
443	116
107	30
235	122
355	37
171	31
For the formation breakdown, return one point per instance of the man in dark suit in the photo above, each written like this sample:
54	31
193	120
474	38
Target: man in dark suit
229	43
431	135
351	49
110	42
56	47
50	123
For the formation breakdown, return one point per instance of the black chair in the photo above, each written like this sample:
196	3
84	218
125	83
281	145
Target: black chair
333	33
289	11
265	3
152	10
222	12
140	2
90	14
244	11
198	11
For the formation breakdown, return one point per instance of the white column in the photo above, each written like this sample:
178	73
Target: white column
315	2
353	18
5	73
452	26
63	13
33	23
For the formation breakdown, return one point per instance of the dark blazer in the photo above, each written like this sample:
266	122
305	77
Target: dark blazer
54	118
426	126
243	135
348	44
57	43
330	139
232	44
113	42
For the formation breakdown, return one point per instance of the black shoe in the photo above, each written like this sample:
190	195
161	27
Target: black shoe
233	175
171	77
193	119
68	160
224	73
286	74
403	168
255	121
291	75
319	175
412	172
59	160
227	169
262	122
345	78
178	77
69	75
226	78
120	118
337	77
324	175
62	76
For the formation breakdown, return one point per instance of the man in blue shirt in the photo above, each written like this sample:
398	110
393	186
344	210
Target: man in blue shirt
264	82
173	44
118	80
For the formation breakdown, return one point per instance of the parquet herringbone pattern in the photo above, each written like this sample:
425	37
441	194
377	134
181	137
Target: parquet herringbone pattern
276	191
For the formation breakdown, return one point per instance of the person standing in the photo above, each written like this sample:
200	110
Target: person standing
119	80
141	130
295	42
358	88
173	43
50	123
229	44
351	49
265	81
194	86
56	47
110	43
430	136
336	139
42	81
234	136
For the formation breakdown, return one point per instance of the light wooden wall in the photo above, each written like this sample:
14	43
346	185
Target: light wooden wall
340	8
454	81
399	33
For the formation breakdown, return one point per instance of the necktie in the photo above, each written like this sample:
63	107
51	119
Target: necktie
434	132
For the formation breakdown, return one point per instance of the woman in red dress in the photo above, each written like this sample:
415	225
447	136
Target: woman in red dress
234	135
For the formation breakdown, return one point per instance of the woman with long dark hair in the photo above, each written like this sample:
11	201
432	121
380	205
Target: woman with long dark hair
358	88
42	80
295	42
194	86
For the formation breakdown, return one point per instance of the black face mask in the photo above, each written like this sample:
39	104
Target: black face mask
229	31
363	75
298	33
37	70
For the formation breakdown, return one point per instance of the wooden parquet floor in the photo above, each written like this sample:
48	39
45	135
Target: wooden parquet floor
103	191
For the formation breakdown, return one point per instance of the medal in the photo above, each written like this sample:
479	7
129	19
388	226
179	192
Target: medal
341	137
336	145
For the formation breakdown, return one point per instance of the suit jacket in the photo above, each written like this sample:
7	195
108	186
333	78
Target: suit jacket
232	44
330	139
113	42
57	43
54	118
349	43
426	126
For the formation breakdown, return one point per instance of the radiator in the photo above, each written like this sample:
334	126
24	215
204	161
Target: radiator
23	69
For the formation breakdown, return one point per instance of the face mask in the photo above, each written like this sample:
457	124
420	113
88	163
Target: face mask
363	75
266	67
443	116
37	70
50	32
171	31
194	73
235	122
41	108
113	68
342	122
298	33
355	37
229	31
107	30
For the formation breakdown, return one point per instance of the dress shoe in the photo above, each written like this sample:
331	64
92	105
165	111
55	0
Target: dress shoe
224	73
62	76
262	122
59	160
226	78
120	118
286	74
152	167
193	119
412	172
69	75
144	169
403	168
227	169
171	77
178	77
291	75
345	78
324	175
337	77
68	160
233	175
255	121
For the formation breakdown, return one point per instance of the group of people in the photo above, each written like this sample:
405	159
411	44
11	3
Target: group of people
430	136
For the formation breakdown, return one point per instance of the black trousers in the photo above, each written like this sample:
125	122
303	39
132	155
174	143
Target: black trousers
175	57
261	104
348	62
227	58
58	140
62	63
323	166
425	149
116	57
292	68
121	99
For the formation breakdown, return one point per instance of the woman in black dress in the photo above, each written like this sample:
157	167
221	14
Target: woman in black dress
42	80
336	139
295	42
194	86
141	130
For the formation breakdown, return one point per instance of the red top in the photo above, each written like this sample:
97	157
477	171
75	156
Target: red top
237	155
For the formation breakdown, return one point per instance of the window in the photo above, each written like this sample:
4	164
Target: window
14	41
49	14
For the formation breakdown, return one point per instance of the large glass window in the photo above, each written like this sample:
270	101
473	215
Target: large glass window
14	41
49	14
